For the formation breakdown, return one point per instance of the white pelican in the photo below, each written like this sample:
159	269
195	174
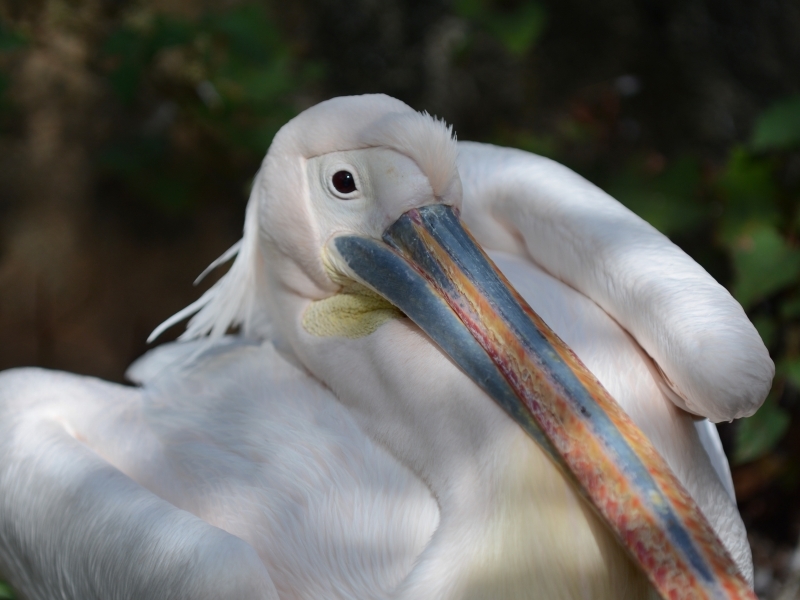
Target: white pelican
331	449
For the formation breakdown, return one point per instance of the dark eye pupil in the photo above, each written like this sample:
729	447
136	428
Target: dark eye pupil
344	182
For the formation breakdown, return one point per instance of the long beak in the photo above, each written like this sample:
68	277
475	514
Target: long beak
431	268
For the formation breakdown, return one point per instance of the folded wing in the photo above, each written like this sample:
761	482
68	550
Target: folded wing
711	357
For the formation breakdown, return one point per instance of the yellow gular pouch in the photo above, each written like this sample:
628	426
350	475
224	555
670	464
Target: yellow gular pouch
356	311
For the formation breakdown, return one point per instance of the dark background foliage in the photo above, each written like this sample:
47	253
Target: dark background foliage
130	131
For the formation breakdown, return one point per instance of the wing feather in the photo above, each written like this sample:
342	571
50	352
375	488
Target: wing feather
709	353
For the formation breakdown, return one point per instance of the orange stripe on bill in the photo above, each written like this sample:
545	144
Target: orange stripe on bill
431	268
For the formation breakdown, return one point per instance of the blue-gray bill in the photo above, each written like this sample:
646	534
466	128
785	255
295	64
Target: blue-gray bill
430	267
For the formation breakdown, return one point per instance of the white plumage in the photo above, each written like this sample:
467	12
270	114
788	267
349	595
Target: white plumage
282	464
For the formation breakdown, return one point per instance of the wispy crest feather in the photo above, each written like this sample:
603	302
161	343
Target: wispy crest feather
234	299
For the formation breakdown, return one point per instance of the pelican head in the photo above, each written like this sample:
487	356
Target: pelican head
353	222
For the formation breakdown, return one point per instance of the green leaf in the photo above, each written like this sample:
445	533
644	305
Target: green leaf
125	81
228	77
518	31
790	369
668	201
790	308
764	263
125	44
750	191
469	9
250	33
5	592
756	436
766	328
169	32
127	48
778	128
133	50
10	39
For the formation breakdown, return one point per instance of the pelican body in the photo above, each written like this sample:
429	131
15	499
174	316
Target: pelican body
410	410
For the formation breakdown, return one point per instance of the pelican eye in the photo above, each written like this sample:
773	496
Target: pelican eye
344	182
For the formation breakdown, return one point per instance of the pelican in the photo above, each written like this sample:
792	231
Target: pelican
349	441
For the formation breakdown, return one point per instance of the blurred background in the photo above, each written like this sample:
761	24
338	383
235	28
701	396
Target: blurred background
130	132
